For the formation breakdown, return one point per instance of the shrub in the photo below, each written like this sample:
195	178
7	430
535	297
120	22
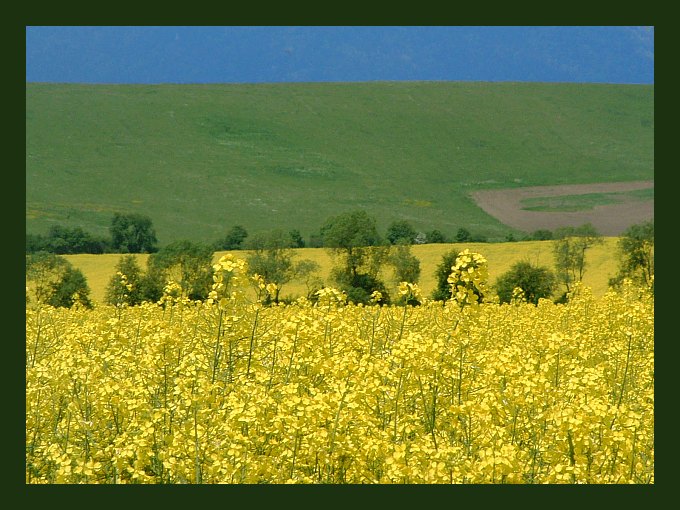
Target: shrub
442	292
401	231
70	289
535	282
125	286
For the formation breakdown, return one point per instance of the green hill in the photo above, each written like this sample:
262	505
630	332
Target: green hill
199	159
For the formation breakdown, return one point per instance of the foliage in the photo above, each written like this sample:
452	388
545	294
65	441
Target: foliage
442	291
535	283
353	238
153	282
401	231
271	257
636	256
229	391
62	240
43	271
360	287
125	287
406	265
541	235
350	231
70	289
133	233
435	236
308	271
569	251
463	235
297	240
185	263
233	240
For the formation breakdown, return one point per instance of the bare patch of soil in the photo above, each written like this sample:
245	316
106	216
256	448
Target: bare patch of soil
609	220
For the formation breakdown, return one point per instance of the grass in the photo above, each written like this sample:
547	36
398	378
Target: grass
199	159
600	260
570	203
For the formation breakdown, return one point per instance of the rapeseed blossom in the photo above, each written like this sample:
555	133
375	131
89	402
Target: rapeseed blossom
231	391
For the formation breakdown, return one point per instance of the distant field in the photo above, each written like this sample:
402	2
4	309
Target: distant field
587	201
199	159
609	207
601	263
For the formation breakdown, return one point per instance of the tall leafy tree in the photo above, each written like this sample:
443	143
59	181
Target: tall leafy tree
353	239
636	255
271	256
133	233
569	250
43	270
233	240
296	237
406	265
186	263
55	281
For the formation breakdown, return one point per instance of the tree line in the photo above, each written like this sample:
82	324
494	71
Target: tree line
359	254
128	233
135	233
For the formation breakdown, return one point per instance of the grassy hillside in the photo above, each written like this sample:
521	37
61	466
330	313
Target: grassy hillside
199	159
600	263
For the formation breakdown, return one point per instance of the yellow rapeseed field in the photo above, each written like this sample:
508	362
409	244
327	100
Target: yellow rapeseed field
231	391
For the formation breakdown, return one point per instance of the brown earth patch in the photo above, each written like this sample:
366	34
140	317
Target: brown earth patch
609	220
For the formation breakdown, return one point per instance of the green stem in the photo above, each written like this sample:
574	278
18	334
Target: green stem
216	350
197	463
623	382
292	353
252	341
37	340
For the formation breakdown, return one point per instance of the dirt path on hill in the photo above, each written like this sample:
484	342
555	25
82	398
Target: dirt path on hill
609	220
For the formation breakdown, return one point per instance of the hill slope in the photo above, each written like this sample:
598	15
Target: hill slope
199	159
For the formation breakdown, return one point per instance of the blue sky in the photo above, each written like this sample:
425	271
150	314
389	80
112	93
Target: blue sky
249	54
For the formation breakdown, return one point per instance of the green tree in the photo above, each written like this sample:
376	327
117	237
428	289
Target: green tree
569	252
463	235
354	241
132	233
541	235
43	270
442	291
271	257
152	283
406	265
308	271
184	262
70	289
296	237
233	240
536	282
63	240
636	256
125	286
435	236
401	231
